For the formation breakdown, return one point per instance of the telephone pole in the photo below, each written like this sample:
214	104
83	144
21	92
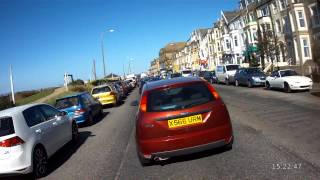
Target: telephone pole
94	70
12	86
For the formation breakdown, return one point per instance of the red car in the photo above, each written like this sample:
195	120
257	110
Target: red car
180	116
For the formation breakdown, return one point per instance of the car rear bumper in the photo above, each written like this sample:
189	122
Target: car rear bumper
16	164
107	101
186	144
80	119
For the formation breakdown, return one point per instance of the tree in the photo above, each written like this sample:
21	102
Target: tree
77	82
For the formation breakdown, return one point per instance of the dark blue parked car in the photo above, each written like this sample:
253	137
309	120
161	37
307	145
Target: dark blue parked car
250	77
82	107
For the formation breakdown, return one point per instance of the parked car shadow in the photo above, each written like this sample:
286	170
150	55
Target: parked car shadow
67	151
96	120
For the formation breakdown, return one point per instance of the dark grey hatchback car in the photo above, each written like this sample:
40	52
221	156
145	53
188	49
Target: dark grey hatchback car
250	77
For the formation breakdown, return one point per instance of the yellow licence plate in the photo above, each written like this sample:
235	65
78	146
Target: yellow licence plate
196	119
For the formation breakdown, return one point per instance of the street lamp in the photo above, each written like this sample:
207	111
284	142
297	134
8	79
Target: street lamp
102	49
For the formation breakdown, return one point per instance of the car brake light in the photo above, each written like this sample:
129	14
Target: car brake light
213	91
143	104
14	141
79	111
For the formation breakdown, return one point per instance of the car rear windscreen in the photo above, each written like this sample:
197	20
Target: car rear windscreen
178	98
232	67
186	72
67	102
6	126
101	90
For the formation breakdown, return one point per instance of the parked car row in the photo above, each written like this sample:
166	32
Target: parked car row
287	79
31	134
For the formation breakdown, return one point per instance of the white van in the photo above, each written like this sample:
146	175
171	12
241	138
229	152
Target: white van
225	73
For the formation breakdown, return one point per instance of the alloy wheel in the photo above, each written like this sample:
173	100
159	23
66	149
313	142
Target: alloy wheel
40	162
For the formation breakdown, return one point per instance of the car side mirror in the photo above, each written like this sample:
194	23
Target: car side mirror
62	113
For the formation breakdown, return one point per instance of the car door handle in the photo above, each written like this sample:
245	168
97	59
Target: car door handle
38	131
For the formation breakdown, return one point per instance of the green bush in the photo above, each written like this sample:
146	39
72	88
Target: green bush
5	102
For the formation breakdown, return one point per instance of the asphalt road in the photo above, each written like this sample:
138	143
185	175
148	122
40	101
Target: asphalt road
272	130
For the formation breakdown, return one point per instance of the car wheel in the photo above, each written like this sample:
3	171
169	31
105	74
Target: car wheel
237	83
286	87
40	162
249	84
90	120
268	85
75	133
227	82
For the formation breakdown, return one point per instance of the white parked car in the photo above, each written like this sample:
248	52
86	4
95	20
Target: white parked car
31	134
225	73
288	80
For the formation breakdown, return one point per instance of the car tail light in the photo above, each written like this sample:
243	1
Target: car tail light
112	93
79	112
213	91
14	141
143	103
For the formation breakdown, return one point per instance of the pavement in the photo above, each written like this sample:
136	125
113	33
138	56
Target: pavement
276	137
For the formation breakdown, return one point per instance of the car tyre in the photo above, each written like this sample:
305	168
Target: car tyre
227	82
75	133
237	83
90	119
40	162
249	84
268	85
286	87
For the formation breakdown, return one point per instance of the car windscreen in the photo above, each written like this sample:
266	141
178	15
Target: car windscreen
101	90
6	126
232	67
177	98
288	73
67	102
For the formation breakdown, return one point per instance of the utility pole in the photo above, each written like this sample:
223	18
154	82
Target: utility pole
12	86
94	70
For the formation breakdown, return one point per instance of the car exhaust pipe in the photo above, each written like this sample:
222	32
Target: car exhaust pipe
160	159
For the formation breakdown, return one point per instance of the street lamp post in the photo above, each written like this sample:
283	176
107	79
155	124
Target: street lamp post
102	50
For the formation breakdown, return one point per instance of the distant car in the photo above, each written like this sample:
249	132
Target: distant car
288	80
206	75
151	79
225	73
31	134
180	116
106	94
186	73
250	77
82	107
175	75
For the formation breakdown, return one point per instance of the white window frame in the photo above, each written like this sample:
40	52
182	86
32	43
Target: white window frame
304	46
302	17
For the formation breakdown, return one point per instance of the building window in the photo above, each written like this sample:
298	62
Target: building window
228	44
301	19
236	41
278	26
283	4
306	47
286	24
315	14
265	11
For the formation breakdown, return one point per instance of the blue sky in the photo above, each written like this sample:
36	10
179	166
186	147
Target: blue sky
44	39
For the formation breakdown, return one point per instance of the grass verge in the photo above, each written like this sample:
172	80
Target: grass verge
35	97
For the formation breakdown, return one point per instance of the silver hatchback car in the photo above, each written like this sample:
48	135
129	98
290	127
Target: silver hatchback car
29	135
